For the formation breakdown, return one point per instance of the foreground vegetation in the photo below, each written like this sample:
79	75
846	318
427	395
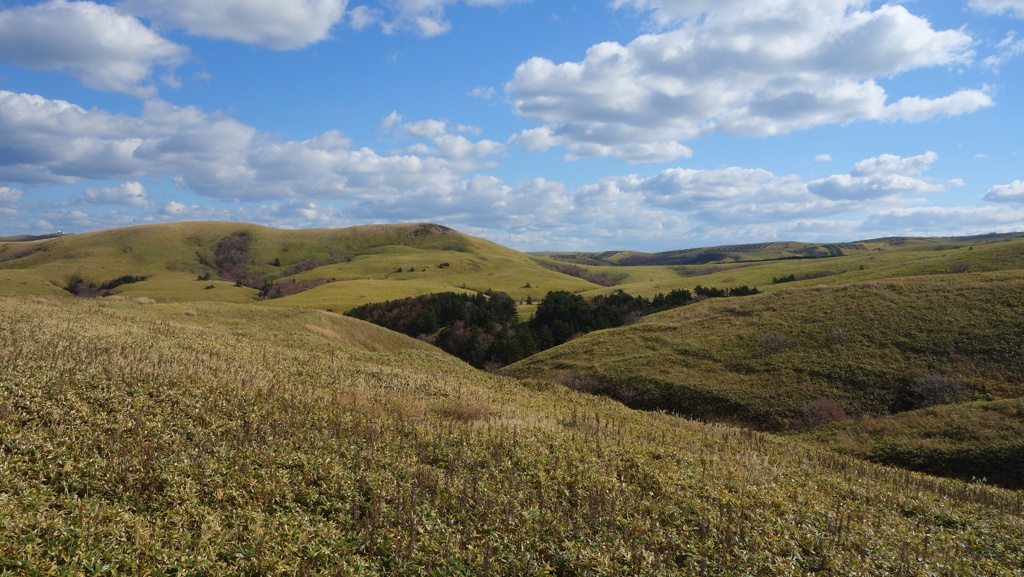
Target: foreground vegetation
222	439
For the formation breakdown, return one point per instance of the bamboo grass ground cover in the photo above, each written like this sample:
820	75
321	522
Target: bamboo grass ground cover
157	439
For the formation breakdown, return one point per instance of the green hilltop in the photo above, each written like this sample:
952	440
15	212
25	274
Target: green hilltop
205	412
362	263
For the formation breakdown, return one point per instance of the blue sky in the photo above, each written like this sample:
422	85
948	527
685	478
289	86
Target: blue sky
540	124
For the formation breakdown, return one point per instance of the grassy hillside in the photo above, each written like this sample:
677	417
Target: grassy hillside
980	440
760	360
767	251
220	439
362	260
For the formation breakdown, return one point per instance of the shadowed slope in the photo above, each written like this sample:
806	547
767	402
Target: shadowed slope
759	360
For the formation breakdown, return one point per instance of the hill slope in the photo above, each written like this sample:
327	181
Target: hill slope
759	360
162	438
201	261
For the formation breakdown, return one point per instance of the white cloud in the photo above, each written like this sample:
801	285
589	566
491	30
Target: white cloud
53	141
1008	48
9	196
544	137
732	196
424	129
943	221
483	92
1013	192
389	122
463	153
362	17
879	177
751	68
823	158
1014	7
276	24
424	17
102	48
131	194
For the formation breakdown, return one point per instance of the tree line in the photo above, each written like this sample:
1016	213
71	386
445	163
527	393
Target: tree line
484	329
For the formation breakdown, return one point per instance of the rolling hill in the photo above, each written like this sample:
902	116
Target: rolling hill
203	261
224	439
184	423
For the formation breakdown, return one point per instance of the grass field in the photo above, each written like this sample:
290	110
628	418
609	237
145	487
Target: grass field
181	426
982	440
222	439
758	360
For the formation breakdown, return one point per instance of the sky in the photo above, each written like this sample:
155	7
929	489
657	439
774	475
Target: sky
539	124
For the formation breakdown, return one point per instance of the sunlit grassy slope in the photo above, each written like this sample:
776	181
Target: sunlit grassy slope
173	256
219	439
759	360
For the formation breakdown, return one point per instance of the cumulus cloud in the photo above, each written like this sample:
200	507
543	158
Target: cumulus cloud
545	137
1014	7
882	176
823	158
1013	192
424	129
461	152
130	194
275	24
732	196
99	46
326	181
750	68
53	141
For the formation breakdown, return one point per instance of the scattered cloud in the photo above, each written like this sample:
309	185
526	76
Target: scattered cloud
56	142
9	196
130	194
879	177
362	17
823	158
483	92
1013	192
423	129
278	24
738	68
425	18
1008	48
102	48
389	122
1014	7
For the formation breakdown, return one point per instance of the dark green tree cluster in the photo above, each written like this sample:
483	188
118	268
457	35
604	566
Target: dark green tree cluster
484	329
81	288
736	291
